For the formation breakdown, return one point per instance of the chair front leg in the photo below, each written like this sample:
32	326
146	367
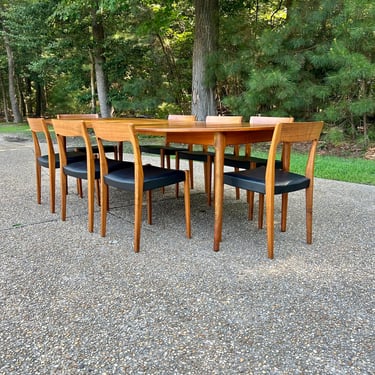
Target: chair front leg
137	218
270	206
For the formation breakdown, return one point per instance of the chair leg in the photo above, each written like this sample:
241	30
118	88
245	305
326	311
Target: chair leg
250	198
137	218
284	211
309	213
149	207
250	201
191	170
162	158
208	179
64	182
270	206
79	188
238	195
97	188
90	203
38	174
260	211
52	189
103	209
177	168
187	204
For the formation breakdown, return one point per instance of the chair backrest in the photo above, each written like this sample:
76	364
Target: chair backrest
118	131
296	132
261	120
224	119
77	116
72	128
183	118
38	126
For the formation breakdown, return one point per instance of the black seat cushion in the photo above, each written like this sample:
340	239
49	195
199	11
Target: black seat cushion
196	155
72	157
244	162
155	149
254	180
154	177
79	169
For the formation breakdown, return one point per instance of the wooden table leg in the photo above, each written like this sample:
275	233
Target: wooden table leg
219	188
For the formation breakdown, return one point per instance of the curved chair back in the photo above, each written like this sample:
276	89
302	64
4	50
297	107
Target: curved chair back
75	128
183	118
224	119
38	126
262	120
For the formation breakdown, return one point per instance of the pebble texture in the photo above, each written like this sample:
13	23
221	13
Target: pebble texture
72	302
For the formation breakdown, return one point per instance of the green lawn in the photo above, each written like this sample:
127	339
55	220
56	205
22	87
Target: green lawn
347	169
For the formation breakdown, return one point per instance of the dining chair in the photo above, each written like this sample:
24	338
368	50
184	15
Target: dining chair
271	181
51	160
247	161
205	156
167	150
90	116
87	169
140	179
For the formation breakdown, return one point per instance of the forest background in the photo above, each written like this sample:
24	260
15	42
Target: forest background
310	59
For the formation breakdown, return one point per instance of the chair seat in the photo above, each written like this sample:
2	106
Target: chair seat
154	177
196	155
254	180
244	162
79	169
155	149
72	157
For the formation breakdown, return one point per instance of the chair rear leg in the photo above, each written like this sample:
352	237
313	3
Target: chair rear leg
284	211
260	211
103	208
52	189
38	174
149	206
187	204
309	213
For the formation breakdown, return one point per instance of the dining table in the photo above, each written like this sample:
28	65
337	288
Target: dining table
219	135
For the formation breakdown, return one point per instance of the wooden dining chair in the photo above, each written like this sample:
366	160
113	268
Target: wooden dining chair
87	169
270	180
51	160
205	156
140	179
248	161
90	116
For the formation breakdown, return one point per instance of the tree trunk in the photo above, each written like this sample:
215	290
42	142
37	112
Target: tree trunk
17	118
5	104
205	44
101	78
92	84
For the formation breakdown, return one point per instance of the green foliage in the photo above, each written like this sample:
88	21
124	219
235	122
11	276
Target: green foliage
314	60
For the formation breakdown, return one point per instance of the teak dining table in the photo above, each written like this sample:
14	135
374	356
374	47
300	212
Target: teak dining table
219	135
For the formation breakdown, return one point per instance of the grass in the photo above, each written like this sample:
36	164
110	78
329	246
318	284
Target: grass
356	170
